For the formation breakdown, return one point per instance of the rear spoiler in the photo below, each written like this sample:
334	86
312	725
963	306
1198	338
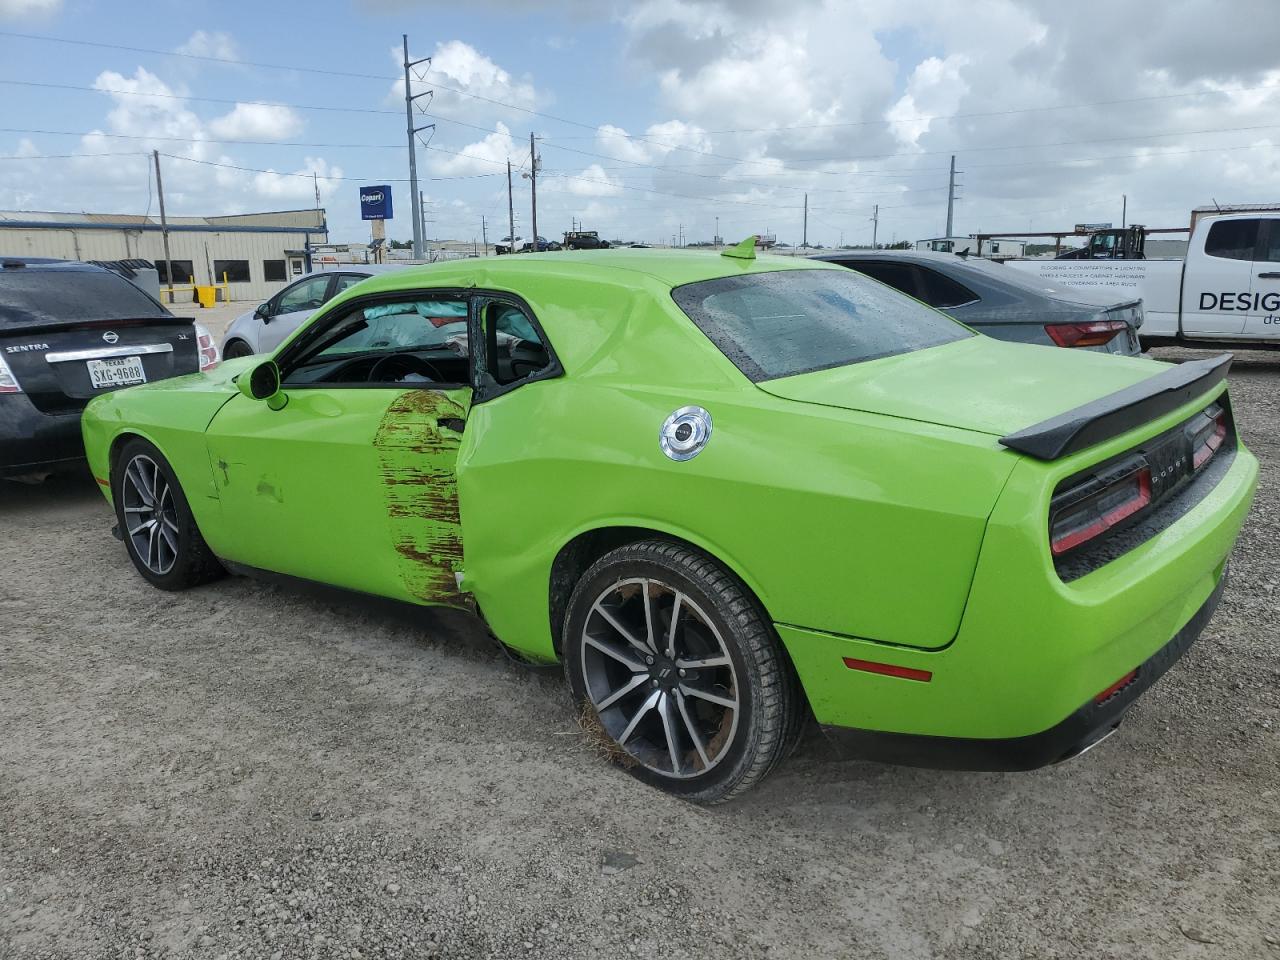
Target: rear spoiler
1119	412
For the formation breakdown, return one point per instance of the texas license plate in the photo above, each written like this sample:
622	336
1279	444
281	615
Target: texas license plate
116	372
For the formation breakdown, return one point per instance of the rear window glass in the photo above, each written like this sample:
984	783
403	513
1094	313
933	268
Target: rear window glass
795	321
1232	239
67	296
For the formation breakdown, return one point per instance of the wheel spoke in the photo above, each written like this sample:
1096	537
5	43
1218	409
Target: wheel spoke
637	681
709	696
674	625
134	473
620	654
644	708
617	625
669	729
650	634
169	539
693	730
153	547
142	509
169	523
144	525
703	663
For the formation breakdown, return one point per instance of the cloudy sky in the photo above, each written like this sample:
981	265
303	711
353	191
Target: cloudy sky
653	116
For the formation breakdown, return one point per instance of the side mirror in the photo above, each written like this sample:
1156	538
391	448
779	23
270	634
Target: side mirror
263	312
263	383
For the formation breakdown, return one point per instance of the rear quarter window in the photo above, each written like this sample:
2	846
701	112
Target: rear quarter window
787	322
67	296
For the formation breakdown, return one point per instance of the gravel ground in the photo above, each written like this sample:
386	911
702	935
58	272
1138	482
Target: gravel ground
256	770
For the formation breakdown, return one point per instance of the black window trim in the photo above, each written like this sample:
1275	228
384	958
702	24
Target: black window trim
483	388
1266	228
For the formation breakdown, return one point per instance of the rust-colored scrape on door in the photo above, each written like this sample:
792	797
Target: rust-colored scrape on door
418	462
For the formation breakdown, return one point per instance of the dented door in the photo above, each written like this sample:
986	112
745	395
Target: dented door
352	487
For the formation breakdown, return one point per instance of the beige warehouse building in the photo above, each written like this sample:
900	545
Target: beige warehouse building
257	252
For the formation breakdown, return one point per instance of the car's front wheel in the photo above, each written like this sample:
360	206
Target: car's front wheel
678	673
236	348
155	521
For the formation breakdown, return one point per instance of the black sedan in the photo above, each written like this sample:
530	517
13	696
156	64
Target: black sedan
1003	303
69	331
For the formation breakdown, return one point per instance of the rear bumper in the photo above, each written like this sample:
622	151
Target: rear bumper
1086	726
35	442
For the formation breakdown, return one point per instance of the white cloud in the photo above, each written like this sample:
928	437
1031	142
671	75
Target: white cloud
489	90
210	43
257	121
484	156
19	9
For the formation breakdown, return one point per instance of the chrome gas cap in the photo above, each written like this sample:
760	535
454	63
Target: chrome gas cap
685	433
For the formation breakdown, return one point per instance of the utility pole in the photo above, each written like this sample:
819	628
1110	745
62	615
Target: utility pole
717	231
412	132
164	227
951	196
1124	210
484	234
511	214
875	225
533	186
315	182
804	236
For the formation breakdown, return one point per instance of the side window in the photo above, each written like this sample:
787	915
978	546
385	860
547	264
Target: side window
515	348
1271	249
1232	239
417	341
939	290
900	276
307	295
347	281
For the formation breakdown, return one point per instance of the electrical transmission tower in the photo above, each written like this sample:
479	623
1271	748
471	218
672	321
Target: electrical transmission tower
412	131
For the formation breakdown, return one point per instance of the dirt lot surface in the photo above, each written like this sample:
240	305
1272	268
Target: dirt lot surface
254	770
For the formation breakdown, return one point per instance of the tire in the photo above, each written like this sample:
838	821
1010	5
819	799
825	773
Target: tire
235	349
176	556
649	711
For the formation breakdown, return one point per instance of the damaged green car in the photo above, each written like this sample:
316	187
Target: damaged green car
731	494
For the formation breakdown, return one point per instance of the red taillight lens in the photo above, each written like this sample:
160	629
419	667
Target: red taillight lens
1098	512
1092	334
8	382
208	349
1208	439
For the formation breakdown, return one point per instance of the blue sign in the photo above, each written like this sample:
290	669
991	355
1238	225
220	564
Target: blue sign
375	203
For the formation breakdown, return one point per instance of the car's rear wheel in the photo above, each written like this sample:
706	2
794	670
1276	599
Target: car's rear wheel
236	348
155	521
677	672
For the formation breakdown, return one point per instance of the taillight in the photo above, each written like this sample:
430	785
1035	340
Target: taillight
208	349
1092	508
1208	438
8	382
1092	334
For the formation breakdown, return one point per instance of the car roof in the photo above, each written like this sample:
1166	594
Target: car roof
985	276
50	263
671	268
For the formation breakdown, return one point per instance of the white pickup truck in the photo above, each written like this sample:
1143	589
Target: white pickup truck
1226	291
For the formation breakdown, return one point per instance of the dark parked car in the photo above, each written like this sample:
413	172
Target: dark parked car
543	245
584	240
1003	303
68	332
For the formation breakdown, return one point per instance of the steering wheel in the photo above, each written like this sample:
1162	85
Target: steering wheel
393	367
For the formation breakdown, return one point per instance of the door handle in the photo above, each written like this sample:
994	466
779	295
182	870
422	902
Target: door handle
1272	275
456	424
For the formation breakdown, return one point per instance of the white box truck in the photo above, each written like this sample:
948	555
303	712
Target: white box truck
1225	292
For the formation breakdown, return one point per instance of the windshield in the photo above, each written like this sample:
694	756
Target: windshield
794	321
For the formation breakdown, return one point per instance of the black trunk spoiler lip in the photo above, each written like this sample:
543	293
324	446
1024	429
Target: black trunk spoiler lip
24	327
1121	411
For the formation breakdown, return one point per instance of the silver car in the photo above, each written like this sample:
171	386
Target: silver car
265	327
1005	303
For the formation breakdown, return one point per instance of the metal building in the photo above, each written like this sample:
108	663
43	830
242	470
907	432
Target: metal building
257	253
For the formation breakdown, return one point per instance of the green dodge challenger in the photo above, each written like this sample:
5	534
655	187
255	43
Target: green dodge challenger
727	492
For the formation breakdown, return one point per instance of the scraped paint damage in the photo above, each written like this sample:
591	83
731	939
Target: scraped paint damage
417	459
